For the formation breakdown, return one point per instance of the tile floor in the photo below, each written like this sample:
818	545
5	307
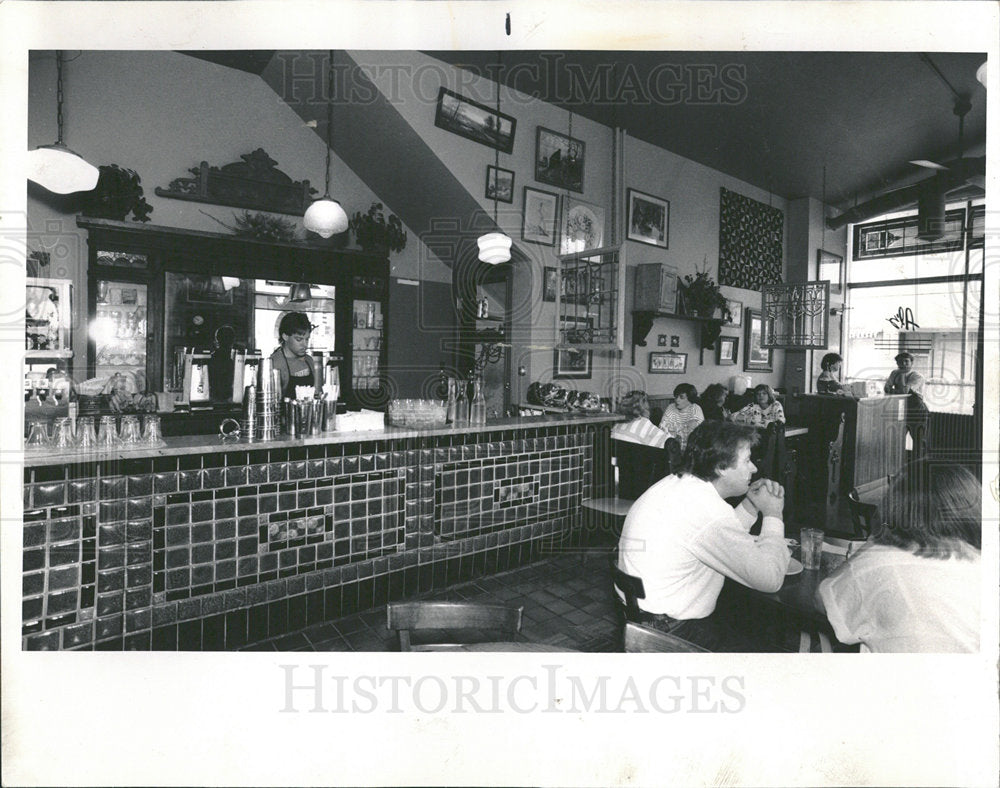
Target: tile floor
567	601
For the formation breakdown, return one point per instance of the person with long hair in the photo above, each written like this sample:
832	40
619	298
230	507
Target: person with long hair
713	403
764	410
915	585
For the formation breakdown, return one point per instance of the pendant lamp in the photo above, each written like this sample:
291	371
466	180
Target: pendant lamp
325	216
494	248
299	292
55	167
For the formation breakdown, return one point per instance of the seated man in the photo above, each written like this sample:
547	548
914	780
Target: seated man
682	538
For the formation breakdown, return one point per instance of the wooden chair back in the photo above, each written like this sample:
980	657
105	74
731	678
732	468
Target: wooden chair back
639	467
640	639
865	502
631	587
407	617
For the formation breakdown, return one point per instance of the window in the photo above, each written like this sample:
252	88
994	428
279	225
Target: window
925	298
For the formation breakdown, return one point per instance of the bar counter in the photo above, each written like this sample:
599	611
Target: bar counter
212	544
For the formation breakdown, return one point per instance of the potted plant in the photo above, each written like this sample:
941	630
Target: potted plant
372	232
118	193
702	295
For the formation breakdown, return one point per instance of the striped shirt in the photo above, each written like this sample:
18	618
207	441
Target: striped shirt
640	430
681	423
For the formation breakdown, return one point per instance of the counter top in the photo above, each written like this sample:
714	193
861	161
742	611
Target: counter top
209	444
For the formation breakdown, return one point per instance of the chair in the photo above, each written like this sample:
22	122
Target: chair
640	639
407	617
632	588
638	468
865	502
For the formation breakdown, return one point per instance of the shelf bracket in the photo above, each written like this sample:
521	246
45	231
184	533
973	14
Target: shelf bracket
642	324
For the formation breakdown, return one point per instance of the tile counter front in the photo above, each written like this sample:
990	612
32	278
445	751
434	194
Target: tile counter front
211	545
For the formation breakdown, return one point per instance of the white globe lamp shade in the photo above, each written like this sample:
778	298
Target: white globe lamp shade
325	217
58	169
494	248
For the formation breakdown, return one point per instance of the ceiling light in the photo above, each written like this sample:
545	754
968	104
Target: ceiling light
300	292
55	167
325	216
494	247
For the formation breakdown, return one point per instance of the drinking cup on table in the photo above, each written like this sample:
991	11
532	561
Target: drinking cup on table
812	547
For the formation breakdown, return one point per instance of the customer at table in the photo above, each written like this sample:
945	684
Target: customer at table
763	411
635	406
291	358
713	403
828	381
683	414
916	585
682	538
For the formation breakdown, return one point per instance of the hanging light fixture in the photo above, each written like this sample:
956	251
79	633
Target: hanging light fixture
55	167
325	216
494	247
299	292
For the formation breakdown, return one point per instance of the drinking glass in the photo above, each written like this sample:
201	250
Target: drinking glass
107	433
130	434
62	437
38	435
152	434
812	547
86	437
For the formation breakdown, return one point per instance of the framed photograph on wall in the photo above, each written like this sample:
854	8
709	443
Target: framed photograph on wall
549	278
539	217
474	121
735	312
582	226
727	350
573	362
559	160
648	219
668	363
755	357
499	184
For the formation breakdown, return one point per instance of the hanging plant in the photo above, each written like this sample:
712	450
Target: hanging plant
118	193
702	295
373	233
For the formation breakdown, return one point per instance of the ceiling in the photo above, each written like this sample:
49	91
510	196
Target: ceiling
772	119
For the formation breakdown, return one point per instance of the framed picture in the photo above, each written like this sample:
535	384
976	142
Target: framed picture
559	160
668	363
648	219
474	121
575	287
735	312
582	226
538	220
728	349
549	283
830	266
499	184
755	357
572	362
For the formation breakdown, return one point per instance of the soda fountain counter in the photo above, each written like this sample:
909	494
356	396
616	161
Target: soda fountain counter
212	544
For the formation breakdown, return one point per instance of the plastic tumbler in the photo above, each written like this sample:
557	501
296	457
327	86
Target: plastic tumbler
63	437
86	437
812	547
107	433
130	434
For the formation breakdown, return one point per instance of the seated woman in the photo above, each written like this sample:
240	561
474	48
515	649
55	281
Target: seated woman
683	414
764	411
713	403
828	381
915	586
640	429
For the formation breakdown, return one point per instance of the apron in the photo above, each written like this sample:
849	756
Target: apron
302	379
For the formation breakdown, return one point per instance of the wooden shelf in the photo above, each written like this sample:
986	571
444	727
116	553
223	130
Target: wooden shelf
642	324
41	355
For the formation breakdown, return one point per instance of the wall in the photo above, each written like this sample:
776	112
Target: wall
160	113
